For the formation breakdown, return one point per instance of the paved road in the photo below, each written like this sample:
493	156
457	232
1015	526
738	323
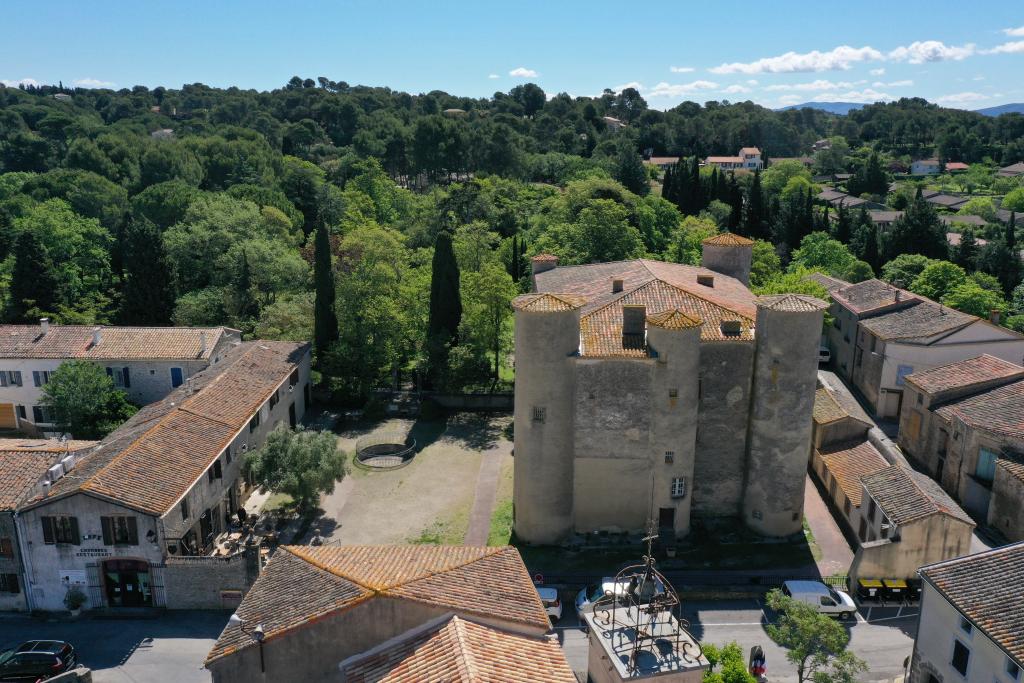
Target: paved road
169	649
884	643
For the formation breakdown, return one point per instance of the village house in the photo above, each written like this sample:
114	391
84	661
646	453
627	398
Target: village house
956	167
146	362
881	333
664	163
964	425
925	167
390	614
643	392
137	521
949	202
1011	171
837	198
971	624
748	159
24	465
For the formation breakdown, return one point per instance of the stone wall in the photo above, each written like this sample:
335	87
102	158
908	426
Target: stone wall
210	582
11	565
1005	511
932	539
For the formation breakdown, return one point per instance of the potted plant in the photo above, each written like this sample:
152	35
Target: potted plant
74	599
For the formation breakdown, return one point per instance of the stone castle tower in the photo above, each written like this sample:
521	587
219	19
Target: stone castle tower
648	390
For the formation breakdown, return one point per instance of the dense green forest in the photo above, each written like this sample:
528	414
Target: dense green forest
393	229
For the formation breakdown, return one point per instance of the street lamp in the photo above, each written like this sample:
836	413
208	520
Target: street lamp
255	633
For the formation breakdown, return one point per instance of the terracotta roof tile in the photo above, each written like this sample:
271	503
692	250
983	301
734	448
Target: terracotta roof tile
1013	463
673	319
153	459
544	257
481	581
794	303
850	461
24	462
986	588
458	650
728	239
996	410
547	302
965	373
906	496
117	343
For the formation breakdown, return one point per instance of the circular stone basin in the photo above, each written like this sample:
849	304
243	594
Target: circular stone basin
385	451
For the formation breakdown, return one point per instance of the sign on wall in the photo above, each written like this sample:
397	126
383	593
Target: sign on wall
72	577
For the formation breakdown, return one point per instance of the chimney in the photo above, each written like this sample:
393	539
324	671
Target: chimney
616	285
202	343
634	319
543	262
898	295
993	316
44	323
97	336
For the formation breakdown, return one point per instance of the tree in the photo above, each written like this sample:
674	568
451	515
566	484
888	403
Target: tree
445	306
1014	200
302	464
728	665
937	279
487	295
765	264
755	216
83	400
905	268
917	231
842	230
864	242
820	252
325	320
33	289
601	232
148	289
971	298
688	241
870	178
965	254
815	642
630	170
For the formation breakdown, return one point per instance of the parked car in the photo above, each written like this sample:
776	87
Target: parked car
37	660
552	605
825	599
586	598
824	355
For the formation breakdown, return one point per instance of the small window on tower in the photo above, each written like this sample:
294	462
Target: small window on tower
679	487
539	414
670	457
673	393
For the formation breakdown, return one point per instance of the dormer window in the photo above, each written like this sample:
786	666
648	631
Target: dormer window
616	285
706	280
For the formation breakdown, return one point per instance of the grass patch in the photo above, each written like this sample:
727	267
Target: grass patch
279	502
500	532
816	552
448	531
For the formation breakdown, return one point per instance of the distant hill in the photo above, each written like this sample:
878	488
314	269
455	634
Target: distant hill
841	108
1014	108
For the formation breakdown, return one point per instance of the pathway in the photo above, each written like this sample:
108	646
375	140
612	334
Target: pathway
836	554
483	501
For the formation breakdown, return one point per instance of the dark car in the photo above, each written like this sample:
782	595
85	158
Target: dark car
36	660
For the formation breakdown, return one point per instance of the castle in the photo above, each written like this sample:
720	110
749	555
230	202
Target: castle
652	390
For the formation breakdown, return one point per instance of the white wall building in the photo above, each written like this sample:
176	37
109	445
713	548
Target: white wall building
925	167
748	159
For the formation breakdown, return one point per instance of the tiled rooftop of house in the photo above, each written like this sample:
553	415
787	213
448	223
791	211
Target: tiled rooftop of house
794	303
986	588
883	216
965	373
999	410
457	650
967	219
906	496
848	462
24	462
155	457
871	295
1013	463
547	303
728	239
127	343
830	407
828	282
658	286
954	239
918	322
303	583
947	201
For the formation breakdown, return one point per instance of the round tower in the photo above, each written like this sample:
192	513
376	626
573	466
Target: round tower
674	339
547	330
728	254
787	335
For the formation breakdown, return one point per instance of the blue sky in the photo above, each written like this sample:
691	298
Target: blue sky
775	52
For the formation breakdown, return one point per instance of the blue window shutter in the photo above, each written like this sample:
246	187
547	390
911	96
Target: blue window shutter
176	377
127	381
35	378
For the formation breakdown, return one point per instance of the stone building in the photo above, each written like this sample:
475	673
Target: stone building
24	465
643	392
964	426
390	614
881	333
146	362
163	485
971	624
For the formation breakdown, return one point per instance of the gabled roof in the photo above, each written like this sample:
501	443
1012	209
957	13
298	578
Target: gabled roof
848	462
673	319
921	322
793	303
1013	463
302	584
547	303
153	459
116	343
457	650
728	239
906	496
871	295
965	373
24	462
1012	169
999	410
828	282
986	588
829	408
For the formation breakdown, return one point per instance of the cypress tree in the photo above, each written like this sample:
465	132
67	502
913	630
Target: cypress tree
445	306
666	186
917	231
248	307
325	319
842	231
695	198
966	254
34	280
148	294
755	217
630	169
735	200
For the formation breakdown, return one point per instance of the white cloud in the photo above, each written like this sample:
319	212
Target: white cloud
664	89
820	84
841	58
878	72
736	88
865	96
752	81
893	84
1007	48
92	83
681	69
978	78
961	98
522	72
632	84
923	51
493	76
20	81
789	99
1019	31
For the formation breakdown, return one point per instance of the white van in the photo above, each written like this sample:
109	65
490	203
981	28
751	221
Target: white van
825	599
